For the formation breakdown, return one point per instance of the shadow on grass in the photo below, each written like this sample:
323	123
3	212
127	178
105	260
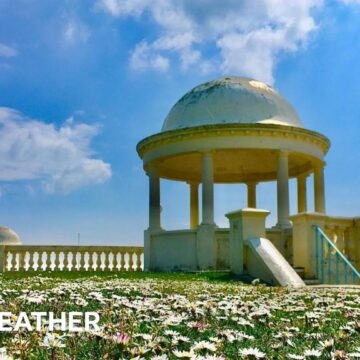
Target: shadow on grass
211	276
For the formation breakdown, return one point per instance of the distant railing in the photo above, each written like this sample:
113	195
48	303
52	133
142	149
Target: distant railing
70	258
331	265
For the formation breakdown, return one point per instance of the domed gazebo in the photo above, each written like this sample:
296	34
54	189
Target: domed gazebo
232	130
9	237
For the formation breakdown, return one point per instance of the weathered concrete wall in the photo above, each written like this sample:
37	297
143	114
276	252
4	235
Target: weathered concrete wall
173	251
222	249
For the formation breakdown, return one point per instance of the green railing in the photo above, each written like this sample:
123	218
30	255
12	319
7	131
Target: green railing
331	266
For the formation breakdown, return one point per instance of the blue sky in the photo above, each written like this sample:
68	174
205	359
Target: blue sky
81	82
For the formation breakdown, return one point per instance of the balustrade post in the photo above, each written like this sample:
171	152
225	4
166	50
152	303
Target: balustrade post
57	260
66	261
131	261
73	261
339	231
116	261
22	260
48	260
40	260
122	261
13	261
91	261
32	264
98	261
107	261
82	260
77	261
138	260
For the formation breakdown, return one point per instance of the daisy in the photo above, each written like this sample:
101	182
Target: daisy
52	341
252	353
312	353
204	345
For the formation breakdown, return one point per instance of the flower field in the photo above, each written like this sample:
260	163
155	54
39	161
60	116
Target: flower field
182	317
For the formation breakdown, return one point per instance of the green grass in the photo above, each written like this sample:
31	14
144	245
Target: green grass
219	276
182	312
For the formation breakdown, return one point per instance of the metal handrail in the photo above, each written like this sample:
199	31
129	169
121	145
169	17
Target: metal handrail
332	252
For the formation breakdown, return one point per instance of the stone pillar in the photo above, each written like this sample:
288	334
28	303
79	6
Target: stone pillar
301	193
154	200
304	240
319	189
205	236
245	224
194	205
251	195
207	189
283	190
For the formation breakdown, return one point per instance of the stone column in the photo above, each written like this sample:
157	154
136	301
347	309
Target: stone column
283	190
194	205
154	200
301	193
207	189
205	235
319	189
251	195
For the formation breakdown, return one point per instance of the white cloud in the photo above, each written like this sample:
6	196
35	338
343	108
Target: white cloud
59	159
75	31
247	36
348	2
7	51
143	57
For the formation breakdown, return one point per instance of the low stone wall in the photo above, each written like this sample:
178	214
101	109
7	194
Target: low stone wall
173	250
70	258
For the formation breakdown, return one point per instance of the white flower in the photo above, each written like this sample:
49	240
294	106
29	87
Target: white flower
3	354
252	353
204	345
81	302
183	354
354	355
52	341
312	353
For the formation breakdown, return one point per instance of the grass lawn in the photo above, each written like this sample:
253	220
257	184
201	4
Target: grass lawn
173	316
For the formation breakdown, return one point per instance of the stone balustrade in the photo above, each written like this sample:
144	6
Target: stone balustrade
344	232
70	258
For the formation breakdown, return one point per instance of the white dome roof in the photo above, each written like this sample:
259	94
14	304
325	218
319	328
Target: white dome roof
8	237
228	101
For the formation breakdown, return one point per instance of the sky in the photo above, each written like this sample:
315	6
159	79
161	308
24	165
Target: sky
82	82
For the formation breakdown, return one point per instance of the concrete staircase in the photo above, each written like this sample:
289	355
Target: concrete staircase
308	281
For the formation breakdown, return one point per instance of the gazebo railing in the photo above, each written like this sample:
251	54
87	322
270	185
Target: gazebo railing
70	258
331	266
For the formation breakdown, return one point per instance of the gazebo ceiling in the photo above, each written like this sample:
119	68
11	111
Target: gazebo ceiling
241	152
233	165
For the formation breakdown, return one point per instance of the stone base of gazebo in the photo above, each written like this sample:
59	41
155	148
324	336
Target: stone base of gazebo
241	248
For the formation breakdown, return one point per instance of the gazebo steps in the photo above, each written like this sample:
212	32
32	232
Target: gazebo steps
308	281
300	271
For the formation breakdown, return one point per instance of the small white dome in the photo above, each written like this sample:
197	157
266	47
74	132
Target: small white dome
231	100
8	237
